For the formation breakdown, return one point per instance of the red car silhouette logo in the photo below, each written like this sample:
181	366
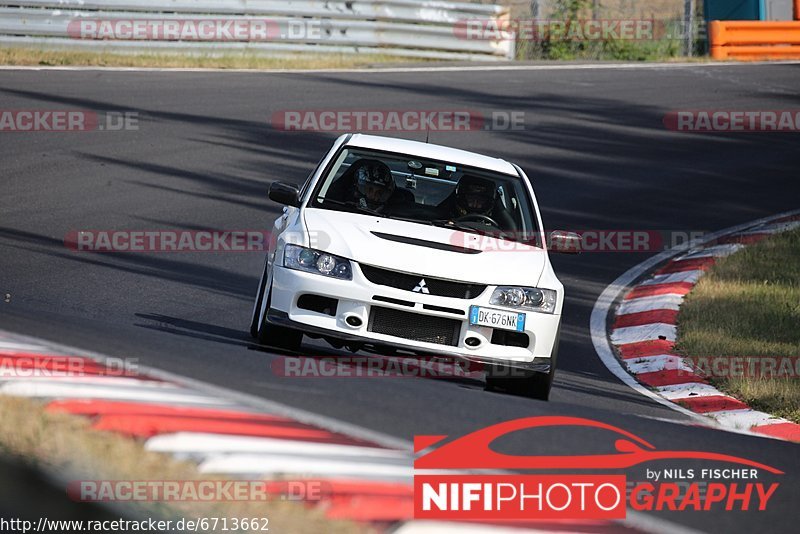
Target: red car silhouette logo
473	451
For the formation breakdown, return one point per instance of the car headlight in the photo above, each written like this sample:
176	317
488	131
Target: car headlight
529	298
316	261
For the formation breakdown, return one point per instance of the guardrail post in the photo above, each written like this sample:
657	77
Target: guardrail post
503	20
688	27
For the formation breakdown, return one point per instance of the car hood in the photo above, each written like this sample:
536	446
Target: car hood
433	251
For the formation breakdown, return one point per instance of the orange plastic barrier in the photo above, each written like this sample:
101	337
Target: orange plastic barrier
754	40
756	53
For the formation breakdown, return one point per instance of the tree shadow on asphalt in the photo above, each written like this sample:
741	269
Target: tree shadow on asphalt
579	140
596	162
575	140
255	137
210	278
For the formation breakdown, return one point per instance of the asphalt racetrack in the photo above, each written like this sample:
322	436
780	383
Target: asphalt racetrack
204	154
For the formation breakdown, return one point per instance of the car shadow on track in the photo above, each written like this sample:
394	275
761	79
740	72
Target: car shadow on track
322	360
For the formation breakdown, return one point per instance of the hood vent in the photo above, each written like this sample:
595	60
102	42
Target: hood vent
425	243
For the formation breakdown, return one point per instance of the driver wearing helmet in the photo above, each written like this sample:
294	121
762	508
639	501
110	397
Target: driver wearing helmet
475	196
374	184
477	200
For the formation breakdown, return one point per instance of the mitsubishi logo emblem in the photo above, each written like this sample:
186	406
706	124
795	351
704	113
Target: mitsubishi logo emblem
421	287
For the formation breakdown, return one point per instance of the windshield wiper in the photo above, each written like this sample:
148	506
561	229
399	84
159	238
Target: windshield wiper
349	204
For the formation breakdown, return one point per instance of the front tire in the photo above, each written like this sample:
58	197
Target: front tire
276	336
262	286
535	385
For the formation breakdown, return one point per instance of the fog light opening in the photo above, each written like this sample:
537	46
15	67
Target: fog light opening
472	341
354	321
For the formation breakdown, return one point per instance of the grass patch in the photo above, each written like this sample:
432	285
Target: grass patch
526	50
56	58
663	45
748	305
606	50
66	444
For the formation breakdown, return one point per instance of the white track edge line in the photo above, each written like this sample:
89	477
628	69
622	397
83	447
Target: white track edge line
398	70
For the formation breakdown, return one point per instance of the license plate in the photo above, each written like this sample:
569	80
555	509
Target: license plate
503	320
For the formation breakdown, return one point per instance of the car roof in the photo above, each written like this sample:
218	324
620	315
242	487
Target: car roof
427	150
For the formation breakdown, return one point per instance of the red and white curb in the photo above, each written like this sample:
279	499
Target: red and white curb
365	480
643	330
367	476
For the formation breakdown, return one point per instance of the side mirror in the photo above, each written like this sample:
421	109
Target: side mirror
565	242
284	193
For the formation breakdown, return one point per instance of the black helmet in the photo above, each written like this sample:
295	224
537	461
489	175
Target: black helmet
476	195
374	181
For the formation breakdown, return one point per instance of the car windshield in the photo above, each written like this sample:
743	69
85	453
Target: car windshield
426	191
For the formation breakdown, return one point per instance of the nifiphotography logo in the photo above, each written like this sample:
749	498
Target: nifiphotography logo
723	482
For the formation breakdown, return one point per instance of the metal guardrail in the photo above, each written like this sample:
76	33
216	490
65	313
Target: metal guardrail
411	28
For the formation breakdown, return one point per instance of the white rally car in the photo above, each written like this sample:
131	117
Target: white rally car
395	244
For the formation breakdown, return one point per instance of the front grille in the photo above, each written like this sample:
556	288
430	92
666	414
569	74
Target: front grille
415	326
434	286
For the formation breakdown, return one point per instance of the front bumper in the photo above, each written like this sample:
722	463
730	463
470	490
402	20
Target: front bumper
357	297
